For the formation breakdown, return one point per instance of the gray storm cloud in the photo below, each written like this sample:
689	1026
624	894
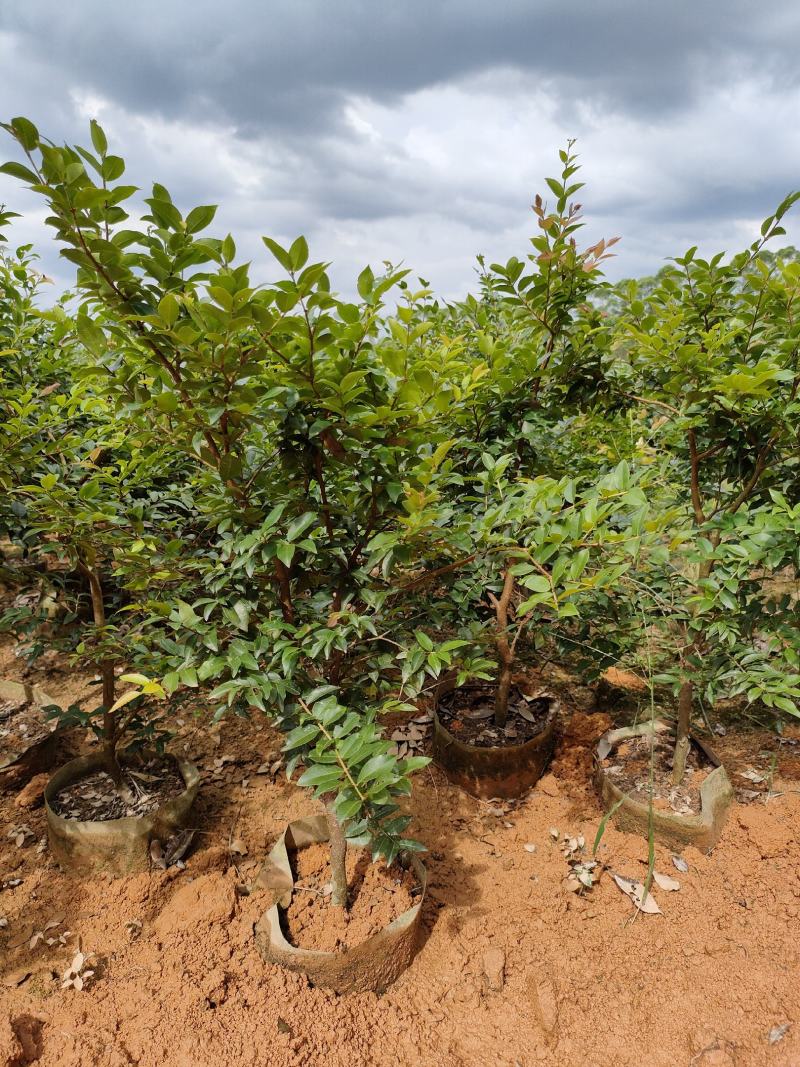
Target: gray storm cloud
421	131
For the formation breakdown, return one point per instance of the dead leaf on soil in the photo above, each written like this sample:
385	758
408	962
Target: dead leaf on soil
752	775
663	881
635	890
777	1033
604	746
77	975
134	928
17	977
177	846
478	713
680	864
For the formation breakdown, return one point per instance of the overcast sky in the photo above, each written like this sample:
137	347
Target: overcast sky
420	131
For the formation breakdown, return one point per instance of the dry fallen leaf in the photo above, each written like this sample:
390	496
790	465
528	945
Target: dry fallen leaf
635	890
753	775
134	928
157	855
177	846
680	864
663	881
604	746
778	1032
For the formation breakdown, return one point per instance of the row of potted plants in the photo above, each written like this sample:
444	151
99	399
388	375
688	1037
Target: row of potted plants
321	509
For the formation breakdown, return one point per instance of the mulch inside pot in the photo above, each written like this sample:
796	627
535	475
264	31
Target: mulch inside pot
377	895
150	784
628	767
468	713
22	724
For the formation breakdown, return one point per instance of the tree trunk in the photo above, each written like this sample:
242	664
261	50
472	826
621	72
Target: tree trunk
503	689
338	845
682	731
106	668
504	653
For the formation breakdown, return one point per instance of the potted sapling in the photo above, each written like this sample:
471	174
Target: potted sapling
709	355
535	553
314	424
82	513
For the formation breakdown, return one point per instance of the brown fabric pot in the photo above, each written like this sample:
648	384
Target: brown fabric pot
116	846
371	966
507	771
676	831
17	768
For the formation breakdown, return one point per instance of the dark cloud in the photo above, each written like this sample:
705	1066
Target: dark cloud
421	130
258	64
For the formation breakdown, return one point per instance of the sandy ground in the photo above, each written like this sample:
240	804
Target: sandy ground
513	970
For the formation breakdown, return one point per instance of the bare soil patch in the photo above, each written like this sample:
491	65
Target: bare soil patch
377	895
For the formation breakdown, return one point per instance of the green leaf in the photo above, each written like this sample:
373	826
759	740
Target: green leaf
17	170
366	283
300	525
321	776
200	217
285	552
424	641
169	309
320	692
187	614
301	735
279	253
298	253
228	248
98	137
167	402
25	132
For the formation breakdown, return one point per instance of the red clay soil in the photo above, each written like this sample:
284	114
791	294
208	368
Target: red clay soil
514	969
376	896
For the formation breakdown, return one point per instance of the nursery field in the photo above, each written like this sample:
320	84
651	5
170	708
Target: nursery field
391	680
514	968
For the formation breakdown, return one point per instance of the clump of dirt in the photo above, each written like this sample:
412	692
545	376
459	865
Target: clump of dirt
642	768
377	895
22	724
574	756
146	787
620	689
468	713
